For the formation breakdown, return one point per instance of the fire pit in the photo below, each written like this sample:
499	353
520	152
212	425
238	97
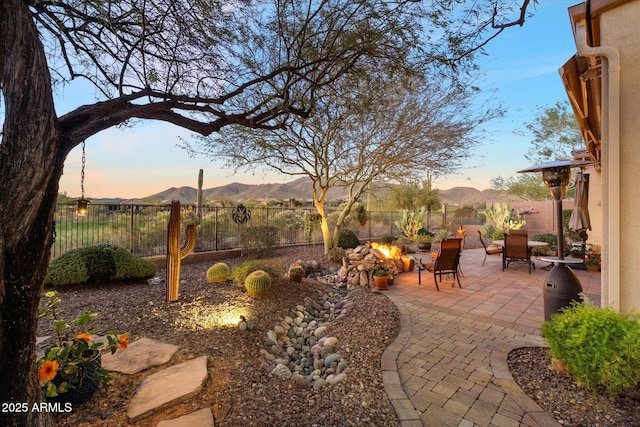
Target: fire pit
358	262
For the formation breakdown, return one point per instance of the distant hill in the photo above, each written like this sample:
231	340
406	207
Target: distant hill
301	189
468	196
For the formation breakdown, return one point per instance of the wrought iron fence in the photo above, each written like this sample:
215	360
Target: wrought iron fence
143	228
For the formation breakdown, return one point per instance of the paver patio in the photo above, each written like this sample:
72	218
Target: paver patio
448	366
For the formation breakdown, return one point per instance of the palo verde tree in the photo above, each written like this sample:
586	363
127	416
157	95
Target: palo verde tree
201	65
555	133
377	128
412	195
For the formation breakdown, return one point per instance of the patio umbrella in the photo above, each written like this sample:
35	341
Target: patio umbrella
579	220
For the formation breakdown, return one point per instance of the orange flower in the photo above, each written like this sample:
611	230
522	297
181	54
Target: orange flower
48	371
123	342
85	337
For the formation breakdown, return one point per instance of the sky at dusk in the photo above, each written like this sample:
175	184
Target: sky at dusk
522	66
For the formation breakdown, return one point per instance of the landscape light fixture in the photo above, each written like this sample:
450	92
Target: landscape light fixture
83	204
562	285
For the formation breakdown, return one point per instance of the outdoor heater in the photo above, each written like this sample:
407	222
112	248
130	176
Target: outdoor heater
562	286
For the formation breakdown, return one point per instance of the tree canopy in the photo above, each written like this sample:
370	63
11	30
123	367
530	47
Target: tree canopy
555	133
374	129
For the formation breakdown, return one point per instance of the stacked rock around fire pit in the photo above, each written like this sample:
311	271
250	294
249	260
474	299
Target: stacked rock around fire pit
358	262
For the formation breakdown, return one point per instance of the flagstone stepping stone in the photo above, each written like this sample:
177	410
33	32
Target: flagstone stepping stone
139	355
167	388
201	418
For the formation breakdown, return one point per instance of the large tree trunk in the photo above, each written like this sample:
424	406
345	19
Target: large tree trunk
31	161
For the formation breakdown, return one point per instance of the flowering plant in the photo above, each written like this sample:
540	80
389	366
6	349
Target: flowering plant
63	366
592	257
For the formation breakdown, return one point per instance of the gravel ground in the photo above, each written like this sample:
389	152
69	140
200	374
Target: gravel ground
242	392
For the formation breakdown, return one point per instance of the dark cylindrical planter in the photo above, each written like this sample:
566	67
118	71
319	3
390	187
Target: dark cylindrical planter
80	393
562	286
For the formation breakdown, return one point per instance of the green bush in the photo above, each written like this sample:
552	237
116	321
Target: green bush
273	266
347	239
598	346
99	263
498	235
424	232
551	239
259	239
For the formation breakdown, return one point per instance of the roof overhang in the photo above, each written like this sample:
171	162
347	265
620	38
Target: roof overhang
582	78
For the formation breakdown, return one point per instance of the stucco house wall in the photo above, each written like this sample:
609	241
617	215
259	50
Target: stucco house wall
616	27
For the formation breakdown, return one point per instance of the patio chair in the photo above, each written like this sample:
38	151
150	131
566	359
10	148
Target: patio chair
490	250
516	249
447	262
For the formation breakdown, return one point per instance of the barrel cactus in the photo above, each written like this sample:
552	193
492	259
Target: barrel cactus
218	272
257	283
296	273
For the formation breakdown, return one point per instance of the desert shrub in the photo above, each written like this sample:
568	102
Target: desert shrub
347	239
99	263
336	255
424	232
598	346
289	221
551	239
440	235
273	266
129	266
489	231
466	215
388	240
68	268
258	239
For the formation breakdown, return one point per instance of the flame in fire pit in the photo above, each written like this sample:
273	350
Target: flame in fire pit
389	252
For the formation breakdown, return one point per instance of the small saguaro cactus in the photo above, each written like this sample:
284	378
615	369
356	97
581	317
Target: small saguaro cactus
257	283
218	273
296	273
175	252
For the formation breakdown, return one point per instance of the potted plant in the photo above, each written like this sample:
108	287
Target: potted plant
380	277
424	242
71	369
593	260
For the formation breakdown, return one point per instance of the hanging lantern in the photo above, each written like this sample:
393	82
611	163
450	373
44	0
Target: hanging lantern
83	204
83	207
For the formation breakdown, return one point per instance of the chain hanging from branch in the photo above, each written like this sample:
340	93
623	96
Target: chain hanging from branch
83	204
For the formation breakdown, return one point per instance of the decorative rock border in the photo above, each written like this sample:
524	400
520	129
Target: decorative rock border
300	346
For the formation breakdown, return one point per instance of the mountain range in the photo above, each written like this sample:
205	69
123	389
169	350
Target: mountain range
300	189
